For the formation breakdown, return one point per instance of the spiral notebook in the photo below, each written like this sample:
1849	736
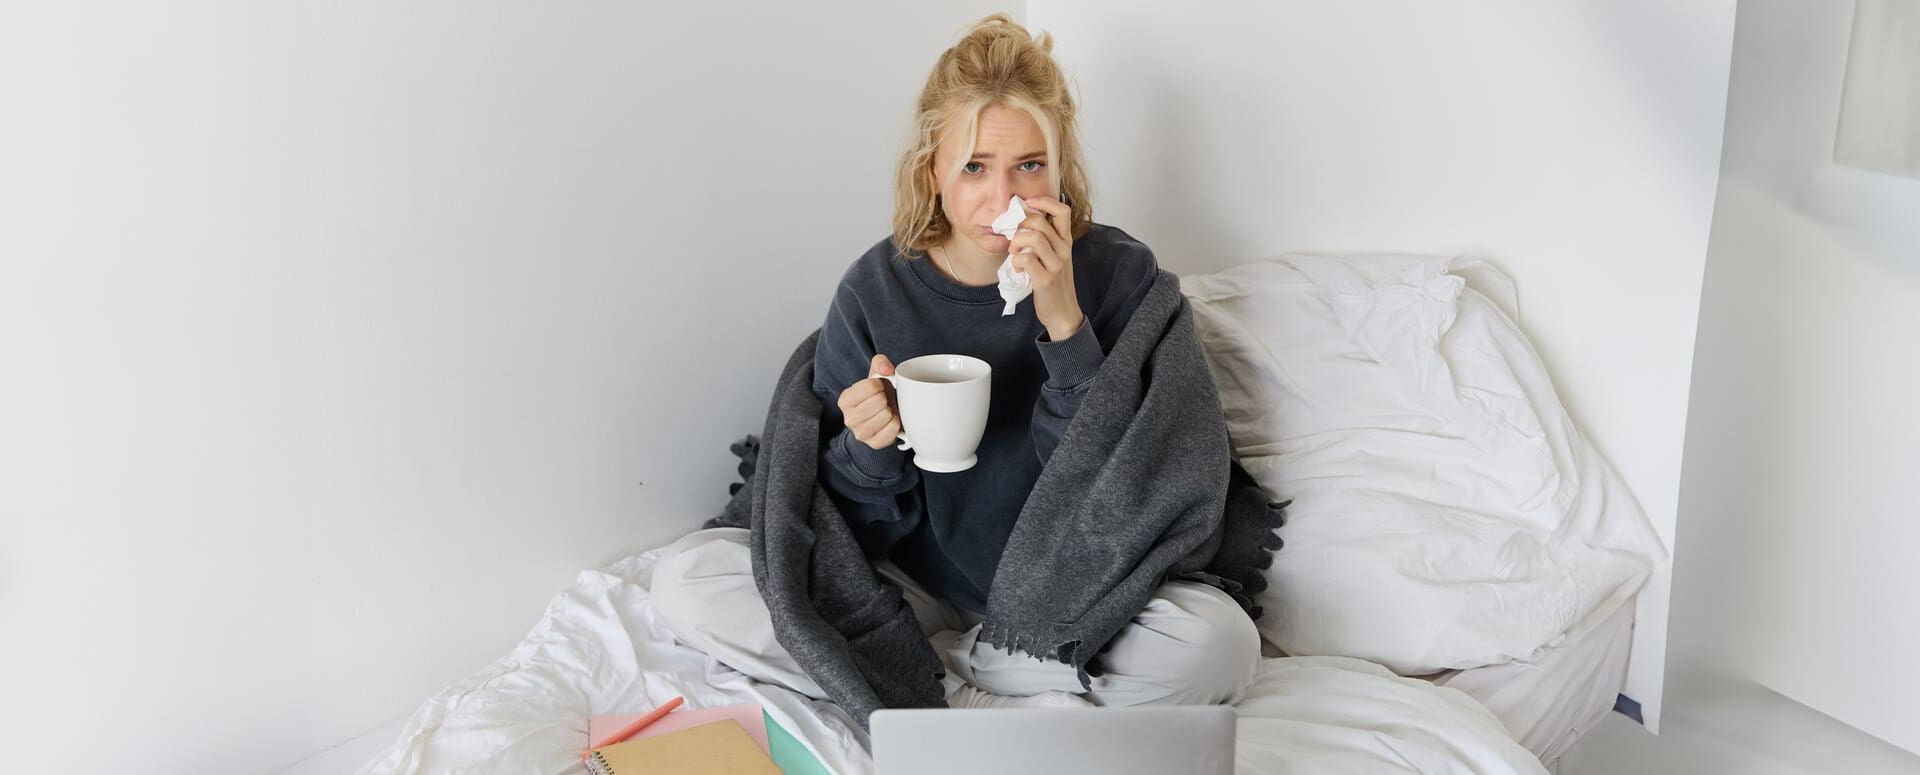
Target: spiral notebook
718	748
787	752
748	714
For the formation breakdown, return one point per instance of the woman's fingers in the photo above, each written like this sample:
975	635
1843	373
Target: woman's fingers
871	405
1050	220
872	425
881	428
1035	245
1025	259
867	406
1040	223
1057	226
858	392
1059	222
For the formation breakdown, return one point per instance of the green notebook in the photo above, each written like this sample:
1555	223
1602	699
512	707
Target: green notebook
789	754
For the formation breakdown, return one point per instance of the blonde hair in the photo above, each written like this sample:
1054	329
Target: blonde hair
996	62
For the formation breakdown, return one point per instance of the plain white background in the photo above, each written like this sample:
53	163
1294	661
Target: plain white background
338	336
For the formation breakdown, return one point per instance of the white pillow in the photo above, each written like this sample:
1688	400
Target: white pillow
1446	512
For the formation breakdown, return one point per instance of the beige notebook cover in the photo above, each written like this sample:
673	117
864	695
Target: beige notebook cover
719	748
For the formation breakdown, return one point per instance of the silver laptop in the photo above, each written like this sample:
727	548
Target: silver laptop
1146	740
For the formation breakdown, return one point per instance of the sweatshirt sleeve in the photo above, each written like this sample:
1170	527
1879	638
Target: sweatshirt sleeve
1073	362
876	490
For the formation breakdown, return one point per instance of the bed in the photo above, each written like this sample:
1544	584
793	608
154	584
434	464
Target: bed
1547	703
599	649
1544	704
1456	594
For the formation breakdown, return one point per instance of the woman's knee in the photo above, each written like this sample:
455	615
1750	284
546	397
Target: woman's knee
1234	643
1192	639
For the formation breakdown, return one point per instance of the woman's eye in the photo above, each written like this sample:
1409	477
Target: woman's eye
974	168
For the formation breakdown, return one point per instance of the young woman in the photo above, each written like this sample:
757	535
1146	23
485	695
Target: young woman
994	121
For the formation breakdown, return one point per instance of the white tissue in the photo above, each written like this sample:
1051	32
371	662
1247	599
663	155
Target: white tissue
1014	284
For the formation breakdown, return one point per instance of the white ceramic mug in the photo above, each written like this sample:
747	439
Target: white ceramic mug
943	402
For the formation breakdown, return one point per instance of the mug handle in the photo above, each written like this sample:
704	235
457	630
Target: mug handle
905	443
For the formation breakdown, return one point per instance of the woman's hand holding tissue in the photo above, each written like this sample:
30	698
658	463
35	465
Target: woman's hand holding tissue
1043	248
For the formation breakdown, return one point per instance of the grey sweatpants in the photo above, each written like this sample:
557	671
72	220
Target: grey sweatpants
1190	645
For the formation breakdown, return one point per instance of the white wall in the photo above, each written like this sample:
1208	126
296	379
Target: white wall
1879	125
1576	145
335	337
1795	559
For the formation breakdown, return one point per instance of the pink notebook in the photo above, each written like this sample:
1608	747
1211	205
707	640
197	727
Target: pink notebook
749	715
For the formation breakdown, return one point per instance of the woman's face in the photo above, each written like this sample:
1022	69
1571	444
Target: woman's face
1010	158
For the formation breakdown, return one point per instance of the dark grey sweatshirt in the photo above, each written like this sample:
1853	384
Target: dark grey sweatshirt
948	530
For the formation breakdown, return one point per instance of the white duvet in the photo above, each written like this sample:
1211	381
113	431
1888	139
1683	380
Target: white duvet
599	649
1446	512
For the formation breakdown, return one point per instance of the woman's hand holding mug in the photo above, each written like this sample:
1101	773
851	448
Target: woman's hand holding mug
871	408
945	398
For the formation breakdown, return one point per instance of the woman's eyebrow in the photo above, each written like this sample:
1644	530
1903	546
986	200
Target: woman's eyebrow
1029	155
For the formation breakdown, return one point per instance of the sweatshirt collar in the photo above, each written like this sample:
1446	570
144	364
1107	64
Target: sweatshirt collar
922	268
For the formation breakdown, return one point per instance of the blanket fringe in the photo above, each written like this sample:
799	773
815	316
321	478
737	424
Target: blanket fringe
1053	645
1057	644
739	509
1253	536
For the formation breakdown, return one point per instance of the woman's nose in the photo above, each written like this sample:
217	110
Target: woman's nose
1003	190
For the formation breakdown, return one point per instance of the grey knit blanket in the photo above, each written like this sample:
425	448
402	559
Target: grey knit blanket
1142	489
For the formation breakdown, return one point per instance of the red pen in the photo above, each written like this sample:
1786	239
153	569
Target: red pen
630	729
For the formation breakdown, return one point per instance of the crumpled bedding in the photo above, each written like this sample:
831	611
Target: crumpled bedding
599	649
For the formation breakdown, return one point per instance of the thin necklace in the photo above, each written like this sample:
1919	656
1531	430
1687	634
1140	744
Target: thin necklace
942	255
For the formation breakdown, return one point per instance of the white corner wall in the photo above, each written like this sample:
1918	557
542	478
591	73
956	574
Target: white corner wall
336	337
1575	145
1796	566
